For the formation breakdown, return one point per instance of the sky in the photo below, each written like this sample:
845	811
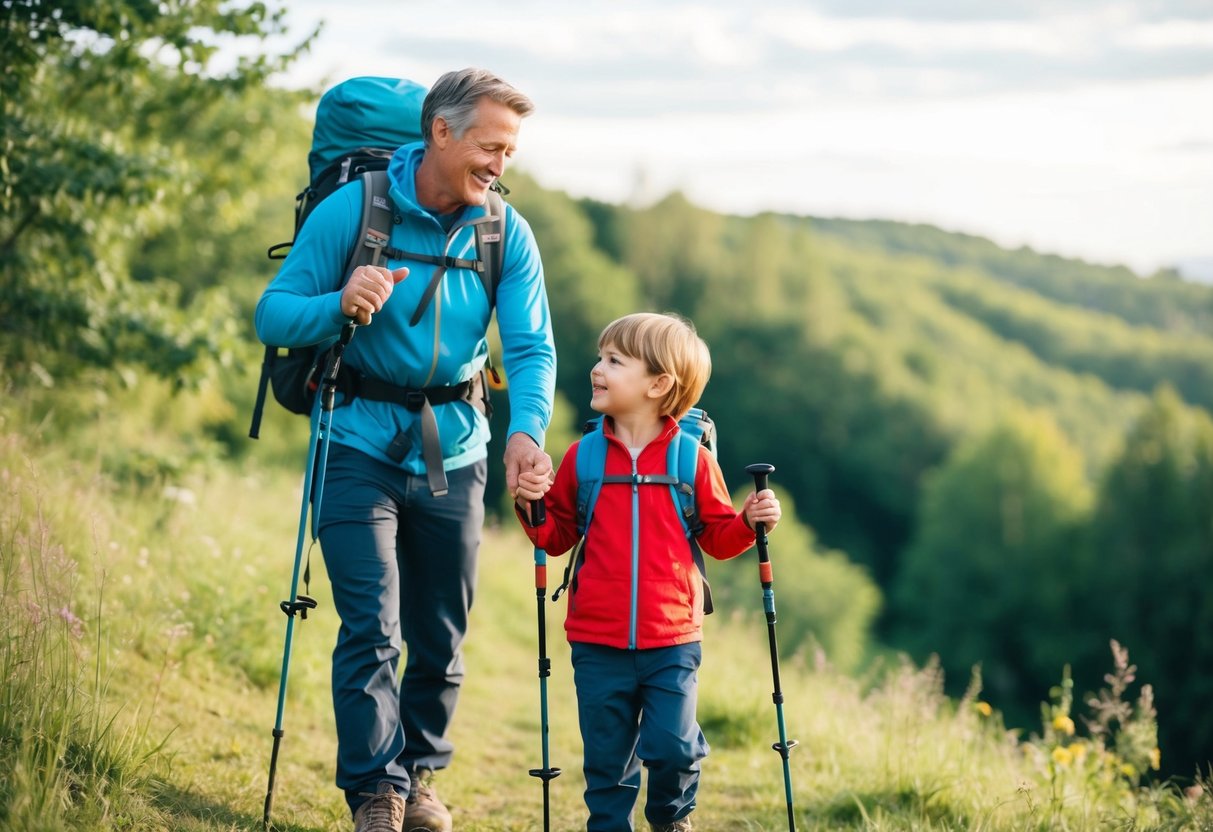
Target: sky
1083	129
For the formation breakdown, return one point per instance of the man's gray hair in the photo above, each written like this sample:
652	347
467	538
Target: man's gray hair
454	97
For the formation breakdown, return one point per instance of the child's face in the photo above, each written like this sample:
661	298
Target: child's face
620	385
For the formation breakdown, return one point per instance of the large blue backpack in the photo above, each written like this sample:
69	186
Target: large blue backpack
695	429
359	124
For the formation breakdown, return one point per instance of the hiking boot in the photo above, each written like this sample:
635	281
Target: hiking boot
384	812
680	825
424	812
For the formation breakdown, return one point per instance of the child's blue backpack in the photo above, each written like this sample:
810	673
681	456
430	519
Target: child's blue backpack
695	429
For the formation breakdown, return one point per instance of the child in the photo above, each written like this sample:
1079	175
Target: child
635	609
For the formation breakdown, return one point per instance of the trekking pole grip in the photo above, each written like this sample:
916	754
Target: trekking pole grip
760	471
538	514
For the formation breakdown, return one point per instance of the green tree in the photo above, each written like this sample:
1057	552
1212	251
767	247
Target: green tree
247	153
1152	559
675	248
104	103
985	581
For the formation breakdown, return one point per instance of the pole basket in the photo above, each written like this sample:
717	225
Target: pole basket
784	749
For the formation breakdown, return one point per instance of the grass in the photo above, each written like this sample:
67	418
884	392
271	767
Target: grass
142	644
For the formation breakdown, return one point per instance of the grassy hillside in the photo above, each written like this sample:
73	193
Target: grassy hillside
1160	302
155	606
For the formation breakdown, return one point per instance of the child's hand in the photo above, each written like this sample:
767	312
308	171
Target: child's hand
531	486
762	507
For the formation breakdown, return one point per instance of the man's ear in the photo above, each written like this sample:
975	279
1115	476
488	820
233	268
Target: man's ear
440	132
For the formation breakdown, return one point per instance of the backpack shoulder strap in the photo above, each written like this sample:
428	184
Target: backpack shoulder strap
490	245
591	464
375	227
374	231
695	430
682	461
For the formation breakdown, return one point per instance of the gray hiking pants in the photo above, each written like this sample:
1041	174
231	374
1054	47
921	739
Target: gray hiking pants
402	564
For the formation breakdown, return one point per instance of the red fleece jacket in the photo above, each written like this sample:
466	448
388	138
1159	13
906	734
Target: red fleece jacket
638	586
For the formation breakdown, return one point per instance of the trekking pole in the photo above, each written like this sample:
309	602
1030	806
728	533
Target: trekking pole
759	471
317	458
547	773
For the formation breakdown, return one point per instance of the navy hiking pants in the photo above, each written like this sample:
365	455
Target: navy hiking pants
402	564
638	706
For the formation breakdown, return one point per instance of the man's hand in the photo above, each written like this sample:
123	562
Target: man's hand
367	290
522	455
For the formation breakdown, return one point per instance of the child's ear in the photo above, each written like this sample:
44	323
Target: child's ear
661	385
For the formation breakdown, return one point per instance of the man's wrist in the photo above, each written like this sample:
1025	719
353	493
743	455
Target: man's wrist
525	434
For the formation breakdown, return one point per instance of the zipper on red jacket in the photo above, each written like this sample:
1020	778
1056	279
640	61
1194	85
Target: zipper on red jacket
635	554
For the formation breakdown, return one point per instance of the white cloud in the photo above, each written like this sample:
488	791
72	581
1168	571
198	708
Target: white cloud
1171	34
807	29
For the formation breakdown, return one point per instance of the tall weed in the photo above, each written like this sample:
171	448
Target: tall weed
67	764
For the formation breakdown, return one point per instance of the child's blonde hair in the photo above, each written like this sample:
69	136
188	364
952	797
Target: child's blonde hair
667	344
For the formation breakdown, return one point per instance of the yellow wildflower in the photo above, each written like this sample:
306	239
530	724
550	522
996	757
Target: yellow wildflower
1155	758
1062	756
1064	724
1079	750
1128	770
984	708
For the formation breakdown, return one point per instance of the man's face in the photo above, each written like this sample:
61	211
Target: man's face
474	161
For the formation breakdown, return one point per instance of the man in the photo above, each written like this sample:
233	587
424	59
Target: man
400	538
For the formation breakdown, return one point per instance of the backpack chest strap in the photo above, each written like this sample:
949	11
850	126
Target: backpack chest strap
641	479
445	262
437	260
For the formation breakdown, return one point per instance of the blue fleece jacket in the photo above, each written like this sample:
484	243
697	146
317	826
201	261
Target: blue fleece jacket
302	306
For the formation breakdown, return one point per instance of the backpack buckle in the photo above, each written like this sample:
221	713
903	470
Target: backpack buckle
414	400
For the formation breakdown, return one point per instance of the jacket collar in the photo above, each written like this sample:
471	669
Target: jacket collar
663	438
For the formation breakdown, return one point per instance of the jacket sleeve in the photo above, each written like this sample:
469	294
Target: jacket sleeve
558	533
525	325
725	533
302	304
